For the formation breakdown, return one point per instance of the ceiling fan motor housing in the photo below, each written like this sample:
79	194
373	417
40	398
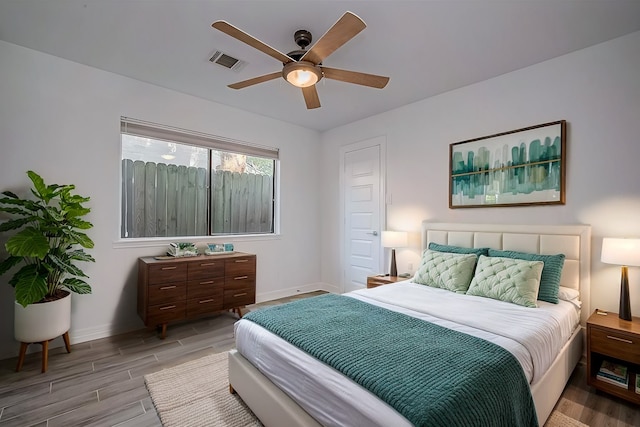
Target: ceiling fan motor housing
302	38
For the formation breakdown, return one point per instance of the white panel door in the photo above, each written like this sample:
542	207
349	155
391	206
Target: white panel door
362	197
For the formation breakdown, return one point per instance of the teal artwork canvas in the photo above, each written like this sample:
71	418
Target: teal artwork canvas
520	167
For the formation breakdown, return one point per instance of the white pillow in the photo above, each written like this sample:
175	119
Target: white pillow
570	295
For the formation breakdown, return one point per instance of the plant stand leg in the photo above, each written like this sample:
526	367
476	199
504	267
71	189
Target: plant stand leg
23	352
67	344
45	355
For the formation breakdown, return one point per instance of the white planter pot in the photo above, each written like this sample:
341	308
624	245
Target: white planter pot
42	322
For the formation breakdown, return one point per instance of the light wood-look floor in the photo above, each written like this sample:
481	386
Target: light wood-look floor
101	382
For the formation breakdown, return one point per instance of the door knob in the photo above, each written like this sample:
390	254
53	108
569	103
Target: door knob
375	233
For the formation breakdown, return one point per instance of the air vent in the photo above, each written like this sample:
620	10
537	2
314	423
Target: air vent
227	61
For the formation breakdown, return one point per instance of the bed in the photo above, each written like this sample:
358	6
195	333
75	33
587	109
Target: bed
266	370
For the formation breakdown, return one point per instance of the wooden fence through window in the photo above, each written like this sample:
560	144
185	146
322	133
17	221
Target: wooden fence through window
161	200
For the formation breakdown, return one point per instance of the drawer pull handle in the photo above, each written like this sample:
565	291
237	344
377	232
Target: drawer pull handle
169	307
204	301
242	260
206	264
207	283
169	268
164	288
240	295
240	277
619	339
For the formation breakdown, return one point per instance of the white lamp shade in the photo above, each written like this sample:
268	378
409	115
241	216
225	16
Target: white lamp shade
620	251
394	239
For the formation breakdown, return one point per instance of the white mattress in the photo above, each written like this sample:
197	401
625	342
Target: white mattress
533	336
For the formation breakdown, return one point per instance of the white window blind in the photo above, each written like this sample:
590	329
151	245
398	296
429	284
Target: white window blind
165	133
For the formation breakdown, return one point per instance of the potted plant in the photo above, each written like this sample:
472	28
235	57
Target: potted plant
49	240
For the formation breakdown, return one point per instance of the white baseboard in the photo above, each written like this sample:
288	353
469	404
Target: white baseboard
77	336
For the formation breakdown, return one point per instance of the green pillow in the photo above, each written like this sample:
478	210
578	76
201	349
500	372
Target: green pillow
507	279
458	249
446	270
550	280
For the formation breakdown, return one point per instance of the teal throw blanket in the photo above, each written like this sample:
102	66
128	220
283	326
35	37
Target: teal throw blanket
432	375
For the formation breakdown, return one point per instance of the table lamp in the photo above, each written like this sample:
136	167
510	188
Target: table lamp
623	252
393	240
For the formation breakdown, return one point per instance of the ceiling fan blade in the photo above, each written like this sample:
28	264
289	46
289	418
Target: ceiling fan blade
358	78
346	28
238	34
311	97
256	80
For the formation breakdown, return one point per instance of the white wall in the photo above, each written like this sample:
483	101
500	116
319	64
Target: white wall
61	119
597	90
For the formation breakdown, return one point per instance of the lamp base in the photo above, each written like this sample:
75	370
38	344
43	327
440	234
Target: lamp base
625	303
394	269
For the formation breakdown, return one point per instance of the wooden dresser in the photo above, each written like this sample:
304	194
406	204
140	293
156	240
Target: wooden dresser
175	289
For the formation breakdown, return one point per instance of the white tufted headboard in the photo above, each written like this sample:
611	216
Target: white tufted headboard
574	241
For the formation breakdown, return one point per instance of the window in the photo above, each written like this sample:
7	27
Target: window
179	183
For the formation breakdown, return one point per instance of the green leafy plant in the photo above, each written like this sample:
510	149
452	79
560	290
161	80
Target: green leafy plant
50	239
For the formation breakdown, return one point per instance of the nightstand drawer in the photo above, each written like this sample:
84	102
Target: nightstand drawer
615	344
373	283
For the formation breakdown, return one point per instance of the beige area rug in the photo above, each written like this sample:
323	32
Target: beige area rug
558	419
196	393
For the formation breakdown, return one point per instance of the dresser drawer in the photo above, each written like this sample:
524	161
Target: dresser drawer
163	313
615	344
245	281
207	305
206	269
205	287
166	273
240	266
239	297
167	292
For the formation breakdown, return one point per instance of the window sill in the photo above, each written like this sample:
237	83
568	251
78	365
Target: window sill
162	242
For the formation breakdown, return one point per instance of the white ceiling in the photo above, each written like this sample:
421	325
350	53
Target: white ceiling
426	47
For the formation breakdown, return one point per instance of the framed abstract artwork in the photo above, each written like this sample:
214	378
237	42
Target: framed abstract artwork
522	167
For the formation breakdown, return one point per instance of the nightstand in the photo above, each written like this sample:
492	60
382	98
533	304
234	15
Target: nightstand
375	281
617	340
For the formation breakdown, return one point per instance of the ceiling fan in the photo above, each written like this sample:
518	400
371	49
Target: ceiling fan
303	68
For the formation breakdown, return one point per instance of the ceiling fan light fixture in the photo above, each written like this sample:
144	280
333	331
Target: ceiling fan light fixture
302	73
